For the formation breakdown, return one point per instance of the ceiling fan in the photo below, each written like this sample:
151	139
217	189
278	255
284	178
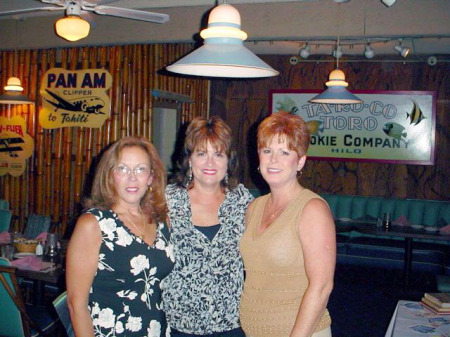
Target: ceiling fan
74	9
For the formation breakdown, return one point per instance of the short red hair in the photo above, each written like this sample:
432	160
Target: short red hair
286	126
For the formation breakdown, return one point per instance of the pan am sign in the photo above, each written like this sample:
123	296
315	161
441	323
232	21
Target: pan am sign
75	98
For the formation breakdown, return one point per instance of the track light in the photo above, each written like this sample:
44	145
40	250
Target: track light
388	3
337	52
304	52
403	51
368	51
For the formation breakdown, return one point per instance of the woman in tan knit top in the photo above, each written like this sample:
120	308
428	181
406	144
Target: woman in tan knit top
289	246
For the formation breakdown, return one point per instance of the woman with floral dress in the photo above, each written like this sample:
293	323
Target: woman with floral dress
120	251
207	211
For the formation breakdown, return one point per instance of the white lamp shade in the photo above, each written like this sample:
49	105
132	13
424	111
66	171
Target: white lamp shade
336	92
13	84
72	28
223	60
15	98
223	53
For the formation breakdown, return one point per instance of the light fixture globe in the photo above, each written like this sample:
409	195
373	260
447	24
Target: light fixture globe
13	84
72	28
368	51
304	52
223	53
13	93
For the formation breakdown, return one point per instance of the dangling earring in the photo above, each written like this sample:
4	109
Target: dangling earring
150	188
190	175
258	169
225	180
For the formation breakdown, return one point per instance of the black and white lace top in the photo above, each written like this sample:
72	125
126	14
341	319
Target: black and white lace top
201	295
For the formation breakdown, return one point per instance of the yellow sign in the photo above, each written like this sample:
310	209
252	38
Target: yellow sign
15	146
75	98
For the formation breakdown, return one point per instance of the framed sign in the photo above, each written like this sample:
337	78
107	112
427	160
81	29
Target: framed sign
16	145
74	98
388	126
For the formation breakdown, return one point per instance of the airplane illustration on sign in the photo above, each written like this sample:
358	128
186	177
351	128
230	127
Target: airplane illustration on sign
90	104
5	146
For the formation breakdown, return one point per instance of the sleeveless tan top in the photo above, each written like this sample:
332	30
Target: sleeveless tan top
275	271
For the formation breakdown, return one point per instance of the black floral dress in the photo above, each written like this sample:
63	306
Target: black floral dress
125	298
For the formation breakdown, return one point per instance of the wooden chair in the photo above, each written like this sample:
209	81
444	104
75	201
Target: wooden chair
5	219
16	319
60	304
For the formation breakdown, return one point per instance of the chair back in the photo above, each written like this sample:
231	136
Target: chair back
36	224
60	304
5	219
4	204
11	319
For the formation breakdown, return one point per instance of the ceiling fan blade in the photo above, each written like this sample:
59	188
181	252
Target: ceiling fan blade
131	14
29	10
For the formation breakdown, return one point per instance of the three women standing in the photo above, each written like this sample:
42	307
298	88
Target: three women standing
207	214
289	246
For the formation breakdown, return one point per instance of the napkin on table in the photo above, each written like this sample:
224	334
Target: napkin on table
5	237
445	230
31	263
401	221
42	237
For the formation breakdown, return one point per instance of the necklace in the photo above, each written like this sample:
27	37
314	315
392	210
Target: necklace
278	211
142	233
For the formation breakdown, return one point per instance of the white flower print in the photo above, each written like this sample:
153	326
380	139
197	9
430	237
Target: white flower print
102	265
108	227
119	327
131	295
169	252
154	330
123	238
139	264
160	244
134	323
106	318
96	309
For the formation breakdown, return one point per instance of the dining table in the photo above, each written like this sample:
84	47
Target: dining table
408	233
52	274
412	319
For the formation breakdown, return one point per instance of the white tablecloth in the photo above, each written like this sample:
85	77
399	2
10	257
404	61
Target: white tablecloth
411	319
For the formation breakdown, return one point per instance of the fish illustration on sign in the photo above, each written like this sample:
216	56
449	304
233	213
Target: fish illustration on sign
5	146
416	115
287	105
394	130
90	104
314	127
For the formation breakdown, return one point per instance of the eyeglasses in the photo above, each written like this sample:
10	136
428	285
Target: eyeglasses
139	172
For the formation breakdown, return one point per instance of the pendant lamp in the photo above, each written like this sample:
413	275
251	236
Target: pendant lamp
337	92
72	27
223	53
13	93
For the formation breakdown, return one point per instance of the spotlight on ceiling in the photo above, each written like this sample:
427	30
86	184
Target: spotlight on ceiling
388	3
337	52
368	51
304	52
403	51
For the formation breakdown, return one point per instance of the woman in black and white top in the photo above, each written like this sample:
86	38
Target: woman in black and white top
207	214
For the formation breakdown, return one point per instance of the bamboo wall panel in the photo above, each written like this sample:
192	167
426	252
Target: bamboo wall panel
244	103
59	173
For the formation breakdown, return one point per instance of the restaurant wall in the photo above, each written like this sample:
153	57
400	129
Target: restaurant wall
244	103
57	175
